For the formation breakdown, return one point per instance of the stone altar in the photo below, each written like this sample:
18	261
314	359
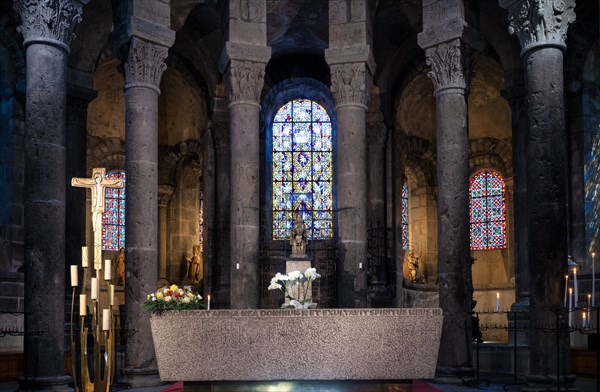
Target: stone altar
282	344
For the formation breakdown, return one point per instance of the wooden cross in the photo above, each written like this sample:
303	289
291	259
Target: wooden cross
97	184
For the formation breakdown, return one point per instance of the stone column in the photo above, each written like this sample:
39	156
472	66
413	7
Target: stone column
248	55
450	59
208	211
515	95
542	28
377	135
165	192
352	66
221	271
142	46
46	41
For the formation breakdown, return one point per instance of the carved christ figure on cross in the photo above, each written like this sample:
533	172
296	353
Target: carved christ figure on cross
98	185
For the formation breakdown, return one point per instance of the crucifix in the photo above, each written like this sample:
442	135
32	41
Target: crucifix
98	185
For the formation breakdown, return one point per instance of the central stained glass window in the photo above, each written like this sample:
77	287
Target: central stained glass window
113	218
302	169
488	211
405	216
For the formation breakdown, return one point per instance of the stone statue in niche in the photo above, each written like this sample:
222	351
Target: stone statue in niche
195	270
413	261
298	238
120	265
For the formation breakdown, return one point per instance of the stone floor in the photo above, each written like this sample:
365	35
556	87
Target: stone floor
497	382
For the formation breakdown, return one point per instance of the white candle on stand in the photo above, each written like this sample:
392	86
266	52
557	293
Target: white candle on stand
208	307
74	277
111	295
593	279
497	301
566	289
107	271
570	305
584	322
576	287
82	304
588	308
94	289
84	257
105	319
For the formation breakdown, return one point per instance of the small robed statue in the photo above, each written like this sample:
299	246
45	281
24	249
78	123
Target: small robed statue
298	238
195	270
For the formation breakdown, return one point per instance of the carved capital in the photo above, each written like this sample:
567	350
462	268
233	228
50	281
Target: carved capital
245	81
49	21
144	63
451	65
377	133
165	192
350	83
77	110
221	135
541	22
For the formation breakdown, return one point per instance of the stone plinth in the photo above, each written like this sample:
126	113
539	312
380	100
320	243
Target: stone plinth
320	344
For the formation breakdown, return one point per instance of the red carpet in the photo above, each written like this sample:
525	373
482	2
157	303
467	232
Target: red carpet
418	386
422	386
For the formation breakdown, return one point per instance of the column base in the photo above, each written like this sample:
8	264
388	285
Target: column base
139	378
537	383
454	375
55	384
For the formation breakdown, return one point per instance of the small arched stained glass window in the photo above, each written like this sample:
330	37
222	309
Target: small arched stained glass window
113	218
488	211
405	216
302	169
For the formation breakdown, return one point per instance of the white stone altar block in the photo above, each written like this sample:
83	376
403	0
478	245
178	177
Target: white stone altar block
282	344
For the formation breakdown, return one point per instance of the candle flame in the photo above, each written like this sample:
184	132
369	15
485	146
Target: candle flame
570	290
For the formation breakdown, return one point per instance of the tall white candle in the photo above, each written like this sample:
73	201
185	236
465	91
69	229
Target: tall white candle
566	289
94	290
107	271
570	306
576	287
74	277
497	301
97	257
584	321
84	257
82	304
208	306
593	279
588	310
111	296
105	319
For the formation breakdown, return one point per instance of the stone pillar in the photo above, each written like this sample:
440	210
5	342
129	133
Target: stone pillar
515	95
46	41
248	54
221	270
79	95
451	65
165	192
208	211
377	135
352	65
542	28
142	48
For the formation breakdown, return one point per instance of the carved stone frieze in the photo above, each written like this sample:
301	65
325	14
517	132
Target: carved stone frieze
246	80
144	63
451	65
541	22
350	83
49	20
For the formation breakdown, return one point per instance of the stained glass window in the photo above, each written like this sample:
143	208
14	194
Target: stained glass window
302	169
201	223
405	216
488	211
113	219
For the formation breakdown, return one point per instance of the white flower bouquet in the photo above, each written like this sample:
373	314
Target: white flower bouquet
295	286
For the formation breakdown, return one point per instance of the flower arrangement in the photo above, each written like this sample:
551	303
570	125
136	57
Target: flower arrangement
295	287
172	298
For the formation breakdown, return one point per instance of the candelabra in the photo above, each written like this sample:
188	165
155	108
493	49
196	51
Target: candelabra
102	329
